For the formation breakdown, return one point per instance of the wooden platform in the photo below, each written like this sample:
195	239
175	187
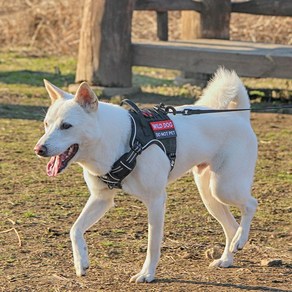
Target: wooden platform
205	55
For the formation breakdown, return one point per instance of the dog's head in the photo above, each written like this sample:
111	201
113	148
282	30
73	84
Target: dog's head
68	126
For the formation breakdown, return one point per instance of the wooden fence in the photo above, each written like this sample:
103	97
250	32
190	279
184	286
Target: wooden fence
106	53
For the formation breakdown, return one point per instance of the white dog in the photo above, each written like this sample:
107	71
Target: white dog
219	148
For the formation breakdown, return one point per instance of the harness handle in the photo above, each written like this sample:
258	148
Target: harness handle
136	109
132	105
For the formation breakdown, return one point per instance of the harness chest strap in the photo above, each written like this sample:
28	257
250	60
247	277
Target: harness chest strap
148	127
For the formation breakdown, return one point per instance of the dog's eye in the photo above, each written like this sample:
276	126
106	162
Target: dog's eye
65	126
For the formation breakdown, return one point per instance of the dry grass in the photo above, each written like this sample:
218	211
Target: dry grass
53	26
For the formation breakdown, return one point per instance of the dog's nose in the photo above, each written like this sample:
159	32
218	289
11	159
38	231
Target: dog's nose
41	150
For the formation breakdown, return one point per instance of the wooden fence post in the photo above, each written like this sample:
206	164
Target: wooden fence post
162	25
212	22
104	57
215	19
191	28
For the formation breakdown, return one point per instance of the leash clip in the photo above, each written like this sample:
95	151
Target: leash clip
185	112
170	110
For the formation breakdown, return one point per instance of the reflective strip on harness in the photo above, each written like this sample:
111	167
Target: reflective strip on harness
149	126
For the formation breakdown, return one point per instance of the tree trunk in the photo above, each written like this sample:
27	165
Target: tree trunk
104	56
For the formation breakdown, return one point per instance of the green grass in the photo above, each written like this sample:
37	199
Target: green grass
22	74
29	214
20	69
285	177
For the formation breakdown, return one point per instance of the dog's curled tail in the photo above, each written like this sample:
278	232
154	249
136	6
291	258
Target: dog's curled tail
225	91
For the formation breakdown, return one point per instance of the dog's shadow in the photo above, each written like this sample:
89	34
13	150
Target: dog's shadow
219	285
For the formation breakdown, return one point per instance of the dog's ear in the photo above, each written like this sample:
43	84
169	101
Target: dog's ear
86	97
53	91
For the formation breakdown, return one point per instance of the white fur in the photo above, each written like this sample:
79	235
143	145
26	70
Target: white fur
220	148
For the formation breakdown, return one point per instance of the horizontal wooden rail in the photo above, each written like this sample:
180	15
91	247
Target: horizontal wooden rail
264	7
205	55
260	7
165	5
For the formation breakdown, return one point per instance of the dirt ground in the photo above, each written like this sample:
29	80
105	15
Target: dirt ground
37	213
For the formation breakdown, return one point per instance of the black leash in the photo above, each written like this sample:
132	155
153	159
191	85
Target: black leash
270	108
186	112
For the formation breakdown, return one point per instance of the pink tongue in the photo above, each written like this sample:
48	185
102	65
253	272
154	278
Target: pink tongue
53	166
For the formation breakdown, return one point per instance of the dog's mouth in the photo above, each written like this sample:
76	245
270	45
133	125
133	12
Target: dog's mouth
59	162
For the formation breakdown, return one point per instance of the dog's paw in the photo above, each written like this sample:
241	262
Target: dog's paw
221	263
81	261
239	240
81	270
81	267
142	277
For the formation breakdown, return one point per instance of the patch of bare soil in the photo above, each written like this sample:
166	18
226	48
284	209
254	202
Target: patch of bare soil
37	213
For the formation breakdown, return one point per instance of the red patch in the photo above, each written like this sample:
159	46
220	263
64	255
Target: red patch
162	125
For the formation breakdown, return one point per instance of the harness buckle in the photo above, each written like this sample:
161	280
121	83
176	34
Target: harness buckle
172	157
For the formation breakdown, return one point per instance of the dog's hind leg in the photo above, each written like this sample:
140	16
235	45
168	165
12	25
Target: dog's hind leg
98	203
156	210
219	211
247	212
235	192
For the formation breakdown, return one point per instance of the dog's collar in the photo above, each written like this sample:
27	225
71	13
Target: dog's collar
148	126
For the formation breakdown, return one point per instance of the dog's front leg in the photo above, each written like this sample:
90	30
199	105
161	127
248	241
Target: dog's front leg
156	209
94	209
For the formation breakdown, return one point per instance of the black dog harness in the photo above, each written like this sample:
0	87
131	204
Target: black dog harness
153	126
149	126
